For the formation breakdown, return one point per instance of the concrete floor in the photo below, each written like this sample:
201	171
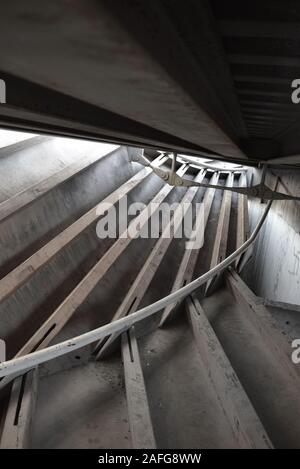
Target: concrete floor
184	408
85	406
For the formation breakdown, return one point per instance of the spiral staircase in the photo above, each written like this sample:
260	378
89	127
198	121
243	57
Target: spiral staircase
210	371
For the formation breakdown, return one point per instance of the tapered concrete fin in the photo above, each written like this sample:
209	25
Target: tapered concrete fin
2	351
139	417
264	325
244	422
281	305
242	233
221	236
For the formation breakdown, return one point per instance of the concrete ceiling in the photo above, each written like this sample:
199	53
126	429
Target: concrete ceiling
192	76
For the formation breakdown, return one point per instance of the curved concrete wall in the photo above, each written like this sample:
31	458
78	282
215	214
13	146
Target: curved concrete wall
274	271
28	229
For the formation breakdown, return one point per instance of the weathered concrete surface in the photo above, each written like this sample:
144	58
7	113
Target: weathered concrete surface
10	138
82	403
114	67
288	321
161	284
184	408
274	271
199	422
84	407
265	381
26	231
28	162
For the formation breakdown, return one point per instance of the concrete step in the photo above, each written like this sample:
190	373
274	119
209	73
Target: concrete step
185	410
267	382
83	407
176	387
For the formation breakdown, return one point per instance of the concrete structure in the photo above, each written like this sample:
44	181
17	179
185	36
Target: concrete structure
161	103
168	365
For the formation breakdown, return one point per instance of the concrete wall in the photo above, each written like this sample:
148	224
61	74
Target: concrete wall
274	271
28	162
25	231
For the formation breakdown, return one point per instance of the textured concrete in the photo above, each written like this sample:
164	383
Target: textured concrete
28	162
26	231
84	407
87	43
96	414
274	271
184	408
9	137
82	403
264	380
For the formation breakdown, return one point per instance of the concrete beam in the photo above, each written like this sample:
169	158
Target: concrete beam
16	432
243	229
139	417
221	237
281	305
189	260
244	422
2	351
264	325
